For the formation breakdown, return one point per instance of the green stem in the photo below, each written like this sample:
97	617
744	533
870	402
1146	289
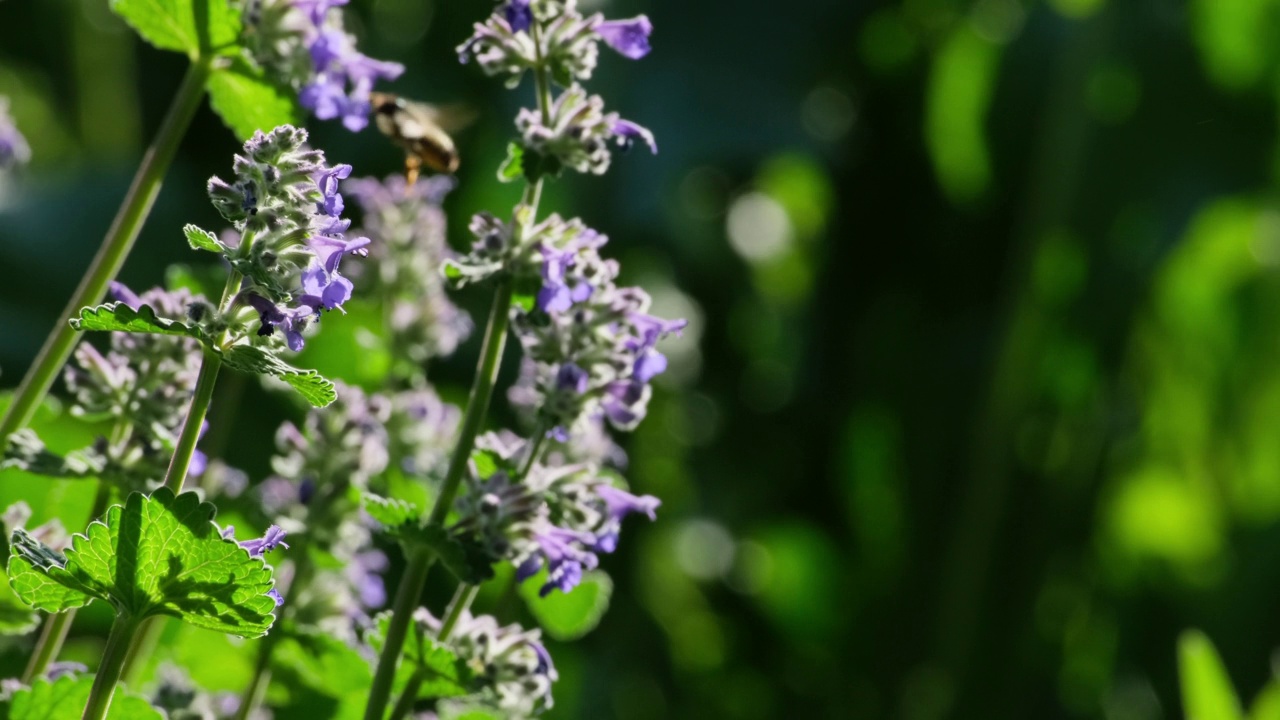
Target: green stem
113	252
144	643
181	461
404	705
415	576
462	599
47	647
56	627
104	681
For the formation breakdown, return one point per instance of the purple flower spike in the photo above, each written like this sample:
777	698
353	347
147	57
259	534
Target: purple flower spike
270	541
275	595
625	133
629	38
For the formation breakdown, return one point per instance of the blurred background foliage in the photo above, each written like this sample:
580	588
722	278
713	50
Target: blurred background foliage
979	408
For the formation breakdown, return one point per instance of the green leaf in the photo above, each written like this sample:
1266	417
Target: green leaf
568	616
65	698
26	451
467	711
1267	705
444	673
310	384
118	317
512	169
199	28
155	555
1207	693
247	100
200	239
390	512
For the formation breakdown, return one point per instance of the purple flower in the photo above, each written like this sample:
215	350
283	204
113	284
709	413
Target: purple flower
122	293
316	10
630	38
337	65
625	133
566	555
327	181
273	538
518	14
624	402
649	365
364	572
619	504
290	321
325	98
275	595
573	378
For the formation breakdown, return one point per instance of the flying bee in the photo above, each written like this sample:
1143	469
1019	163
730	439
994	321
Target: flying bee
422	130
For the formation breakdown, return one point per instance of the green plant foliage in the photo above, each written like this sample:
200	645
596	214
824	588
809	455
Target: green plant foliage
64	699
200	28
443	673
155	555
1206	689
391	513
118	317
568	616
200	239
247	101
310	384
402	520
326	676
512	169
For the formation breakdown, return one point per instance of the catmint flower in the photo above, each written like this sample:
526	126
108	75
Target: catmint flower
303	45
286	208
143	380
273	538
556	517
14	150
502	247
630	38
404	264
579	131
515	669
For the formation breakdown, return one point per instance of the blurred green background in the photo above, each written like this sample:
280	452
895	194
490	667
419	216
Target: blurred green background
979	408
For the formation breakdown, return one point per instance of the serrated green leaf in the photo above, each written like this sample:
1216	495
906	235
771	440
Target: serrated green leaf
199	28
443	673
1207	693
155	555
512	168
247	100
118	317
568	616
26	451
390	512
310	384
65	698
201	239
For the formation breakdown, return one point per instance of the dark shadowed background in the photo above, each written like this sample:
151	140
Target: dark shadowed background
979	408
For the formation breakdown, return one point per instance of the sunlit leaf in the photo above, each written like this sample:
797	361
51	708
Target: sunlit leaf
118	317
65	698
568	616
155	555
1207	693
248	101
195	27
311	385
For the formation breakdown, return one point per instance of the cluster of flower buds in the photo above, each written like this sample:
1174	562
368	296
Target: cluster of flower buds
404	264
285	205
557	517
304	45
575	132
514	669
143	383
51	534
505	45
13	146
